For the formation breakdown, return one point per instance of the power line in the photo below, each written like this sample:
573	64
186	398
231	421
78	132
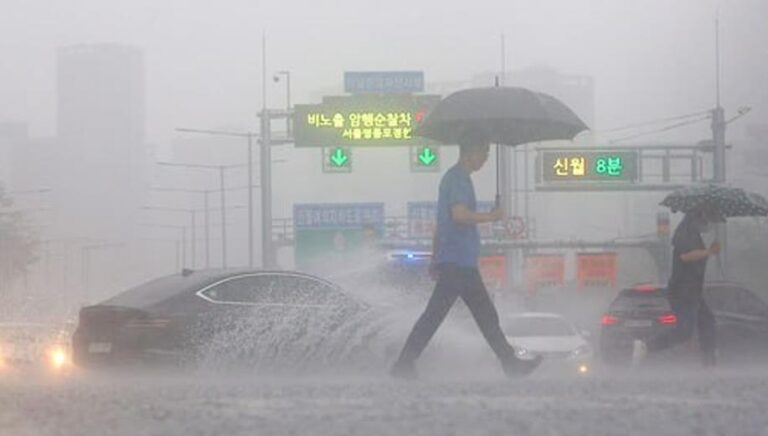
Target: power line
663	129
659	121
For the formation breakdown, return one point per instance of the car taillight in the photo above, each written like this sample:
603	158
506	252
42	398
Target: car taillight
667	318
609	320
646	288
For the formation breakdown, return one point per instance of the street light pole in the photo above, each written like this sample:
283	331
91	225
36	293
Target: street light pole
287	75
223	220
265	173
249	136
250	200
207	231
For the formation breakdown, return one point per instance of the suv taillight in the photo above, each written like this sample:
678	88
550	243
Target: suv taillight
609	320
667	319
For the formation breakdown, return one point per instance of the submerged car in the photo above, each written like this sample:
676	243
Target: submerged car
26	346
643	311
550	336
246	315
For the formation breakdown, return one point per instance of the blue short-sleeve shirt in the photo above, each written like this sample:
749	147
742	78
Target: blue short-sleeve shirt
456	243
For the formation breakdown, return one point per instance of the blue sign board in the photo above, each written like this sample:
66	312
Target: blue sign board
331	235
338	215
383	82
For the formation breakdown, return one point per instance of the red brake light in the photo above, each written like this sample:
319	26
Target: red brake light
667	318
646	288
609	320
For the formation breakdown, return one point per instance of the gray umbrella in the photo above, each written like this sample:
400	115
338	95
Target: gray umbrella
500	115
729	202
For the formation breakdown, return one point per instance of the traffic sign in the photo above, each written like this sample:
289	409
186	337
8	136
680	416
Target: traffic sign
580	166
425	158
544	271
596	269
362	120
337	160
383	82
330	234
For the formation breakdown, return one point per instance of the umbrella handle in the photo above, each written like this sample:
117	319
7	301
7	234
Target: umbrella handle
720	267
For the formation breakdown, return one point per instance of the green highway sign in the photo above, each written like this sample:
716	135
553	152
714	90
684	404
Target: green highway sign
339	157
337	160
425	158
362	120
588	167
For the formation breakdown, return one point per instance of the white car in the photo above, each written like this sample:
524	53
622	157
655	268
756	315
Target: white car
550	336
28	346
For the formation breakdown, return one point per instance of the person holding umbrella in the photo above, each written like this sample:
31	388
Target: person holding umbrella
473	119
703	206
456	248
686	286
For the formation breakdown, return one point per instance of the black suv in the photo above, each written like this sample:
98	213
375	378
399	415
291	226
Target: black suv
643	311
639	312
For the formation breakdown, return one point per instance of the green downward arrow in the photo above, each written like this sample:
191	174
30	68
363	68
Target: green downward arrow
427	156
339	157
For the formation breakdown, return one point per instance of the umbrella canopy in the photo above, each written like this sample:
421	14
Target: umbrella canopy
729	202
501	115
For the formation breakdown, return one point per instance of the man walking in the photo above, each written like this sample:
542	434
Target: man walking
686	289
455	252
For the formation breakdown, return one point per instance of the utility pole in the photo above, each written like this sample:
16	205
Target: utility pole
265	173
718	158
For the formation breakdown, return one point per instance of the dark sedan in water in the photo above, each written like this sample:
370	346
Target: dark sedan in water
248	315
643	311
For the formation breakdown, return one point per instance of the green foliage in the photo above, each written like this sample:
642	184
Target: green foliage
17	246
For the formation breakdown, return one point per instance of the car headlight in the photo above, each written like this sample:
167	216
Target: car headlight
58	358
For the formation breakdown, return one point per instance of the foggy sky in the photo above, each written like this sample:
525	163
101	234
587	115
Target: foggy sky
650	59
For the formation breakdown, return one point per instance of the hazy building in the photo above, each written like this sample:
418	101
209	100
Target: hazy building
101	139
12	136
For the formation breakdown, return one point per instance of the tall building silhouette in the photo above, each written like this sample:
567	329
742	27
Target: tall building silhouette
101	139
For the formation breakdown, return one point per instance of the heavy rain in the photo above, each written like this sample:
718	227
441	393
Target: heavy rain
384	218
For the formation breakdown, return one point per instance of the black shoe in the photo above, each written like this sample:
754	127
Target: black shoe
515	367
405	371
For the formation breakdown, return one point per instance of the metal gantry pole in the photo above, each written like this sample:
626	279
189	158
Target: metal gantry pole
288	103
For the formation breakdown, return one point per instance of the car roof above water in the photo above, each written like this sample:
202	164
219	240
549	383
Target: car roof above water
158	290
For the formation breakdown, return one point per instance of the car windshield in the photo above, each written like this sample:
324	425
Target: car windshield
640	301
525	326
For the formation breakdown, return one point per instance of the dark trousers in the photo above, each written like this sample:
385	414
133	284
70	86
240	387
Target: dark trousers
692	313
454	282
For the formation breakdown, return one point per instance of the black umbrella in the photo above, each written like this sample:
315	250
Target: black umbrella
500	115
728	201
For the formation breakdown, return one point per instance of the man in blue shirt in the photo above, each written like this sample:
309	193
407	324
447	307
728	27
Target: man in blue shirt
455	252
